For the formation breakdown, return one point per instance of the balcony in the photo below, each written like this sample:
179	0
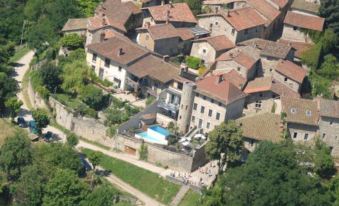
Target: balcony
168	106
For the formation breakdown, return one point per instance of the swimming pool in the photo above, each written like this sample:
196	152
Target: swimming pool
154	134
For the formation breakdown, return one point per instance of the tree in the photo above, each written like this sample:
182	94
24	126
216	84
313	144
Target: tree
88	6
65	188
323	162
93	97
29	189
8	88
15	154
273	176
173	128
225	143
329	10
72	41
13	105
41	118
195	5
50	76
102	195
72	140
329	68
94	158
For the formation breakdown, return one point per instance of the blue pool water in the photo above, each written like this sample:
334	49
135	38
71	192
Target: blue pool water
160	130
155	134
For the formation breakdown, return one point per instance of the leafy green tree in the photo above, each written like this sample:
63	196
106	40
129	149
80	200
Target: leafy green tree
29	189
329	10
72	41
13	105
60	156
93	97
15	154
8	88
173	128
102	195
50	76
225	144
65	188
72	140
273	176
193	62
94	158
41	118
87	7
329	68
323	162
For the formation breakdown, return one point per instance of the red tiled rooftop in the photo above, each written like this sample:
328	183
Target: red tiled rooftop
179	12
222	90
265	8
238	56
304	21
291	70
219	43
162	31
244	18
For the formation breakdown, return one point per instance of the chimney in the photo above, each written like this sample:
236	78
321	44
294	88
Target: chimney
102	37
171	4
220	78
183	68
147	25
120	52
165	58
162	2
231	55
104	22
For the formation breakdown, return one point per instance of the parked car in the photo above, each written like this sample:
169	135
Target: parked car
22	122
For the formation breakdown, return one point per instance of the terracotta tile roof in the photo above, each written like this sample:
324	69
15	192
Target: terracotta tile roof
265	8
162	31
281	3
238	56
223	90
244	18
302	111
329	108
155	68
185	33
110	49
179	12
216	2
219	43
303	5
263	84
269	48
291	70
114	13
299	47
262	127
233	77
75	24
304	21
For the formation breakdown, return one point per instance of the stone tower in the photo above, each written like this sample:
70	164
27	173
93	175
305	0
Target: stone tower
186	104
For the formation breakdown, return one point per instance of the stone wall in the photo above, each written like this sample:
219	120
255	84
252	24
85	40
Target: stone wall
34	98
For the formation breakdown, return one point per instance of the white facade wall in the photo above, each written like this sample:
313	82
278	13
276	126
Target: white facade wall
204	51
329	133
218	26
113	73
291	33
295	86
226	66
302	133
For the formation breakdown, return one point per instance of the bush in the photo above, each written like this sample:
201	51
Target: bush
93	97
150	100
143	152
72	41
193	62
72	140
112	131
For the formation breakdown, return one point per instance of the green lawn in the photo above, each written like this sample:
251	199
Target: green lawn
191	199
19	53
143	180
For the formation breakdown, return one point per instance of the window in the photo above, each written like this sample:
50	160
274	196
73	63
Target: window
94	57
238	69
251	142
233	31
200	123
195	106
216	23
308	113
218	116
324	135
285	79
202	109
295	28
208	125
193	118
107	62
246	31
295	135
258	104
180	85
210	113
204	97
293	110
204	51
306	136
331	122
260	95
119	68
186	107
147	37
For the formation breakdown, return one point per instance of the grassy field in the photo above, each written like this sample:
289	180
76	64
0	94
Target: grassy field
7	129
19	53
191	199
143	180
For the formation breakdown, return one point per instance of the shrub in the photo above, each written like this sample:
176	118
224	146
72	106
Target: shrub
112	131
150	100
72	41
143	152
72	140
92	96
193	62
